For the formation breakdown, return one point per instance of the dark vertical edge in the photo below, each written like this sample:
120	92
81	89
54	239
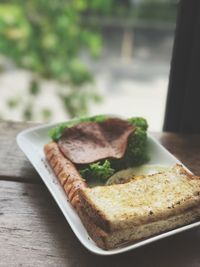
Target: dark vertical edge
182	82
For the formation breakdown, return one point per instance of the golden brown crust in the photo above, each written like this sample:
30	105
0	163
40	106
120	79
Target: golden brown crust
179	202
95	232
96	216
66	172
135	233
100	219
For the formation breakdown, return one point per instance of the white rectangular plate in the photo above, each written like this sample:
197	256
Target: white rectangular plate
32	140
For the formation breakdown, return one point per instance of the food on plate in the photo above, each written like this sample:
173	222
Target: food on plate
90	150
66	172
99	161
126	136
89	142
118	214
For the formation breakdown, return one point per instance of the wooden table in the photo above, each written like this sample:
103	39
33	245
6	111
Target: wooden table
33	231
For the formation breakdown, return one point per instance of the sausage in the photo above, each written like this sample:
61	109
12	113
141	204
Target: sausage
65	171
76	185
76	202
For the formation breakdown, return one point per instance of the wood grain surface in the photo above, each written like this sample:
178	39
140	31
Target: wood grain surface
13	163
33	232
183	146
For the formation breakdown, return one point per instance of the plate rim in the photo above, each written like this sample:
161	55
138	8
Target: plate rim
98	250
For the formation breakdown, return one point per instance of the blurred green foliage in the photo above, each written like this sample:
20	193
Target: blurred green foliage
143	10
46	37
156	10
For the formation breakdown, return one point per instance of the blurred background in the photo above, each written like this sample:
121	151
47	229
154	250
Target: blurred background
60	59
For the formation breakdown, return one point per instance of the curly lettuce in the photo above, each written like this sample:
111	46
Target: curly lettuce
98	170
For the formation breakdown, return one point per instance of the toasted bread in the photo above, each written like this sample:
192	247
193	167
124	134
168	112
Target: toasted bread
155	198
133	234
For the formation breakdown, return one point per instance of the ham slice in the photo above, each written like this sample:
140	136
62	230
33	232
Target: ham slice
88	142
